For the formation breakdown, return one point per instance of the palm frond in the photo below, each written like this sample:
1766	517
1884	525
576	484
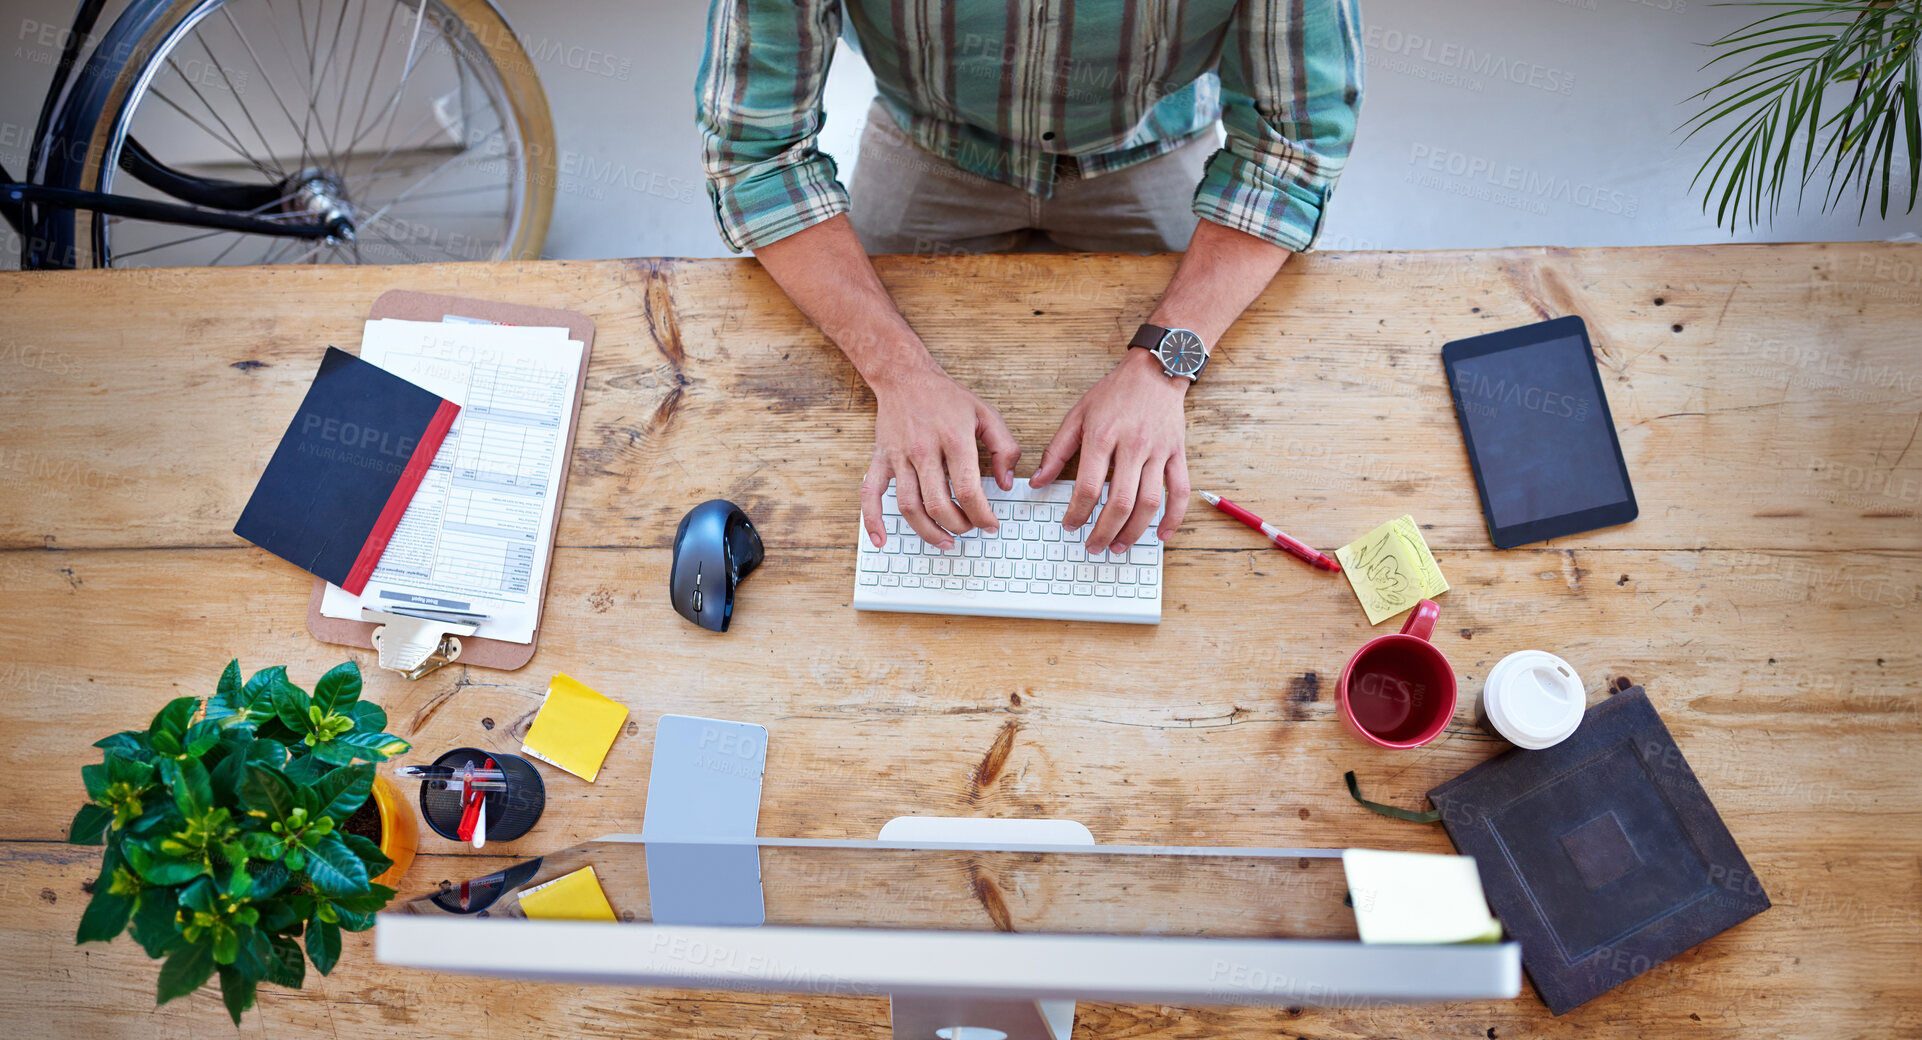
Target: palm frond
1814	88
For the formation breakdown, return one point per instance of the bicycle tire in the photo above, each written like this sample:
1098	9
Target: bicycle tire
81	137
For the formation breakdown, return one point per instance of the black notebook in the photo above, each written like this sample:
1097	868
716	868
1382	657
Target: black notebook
345	470
1602	854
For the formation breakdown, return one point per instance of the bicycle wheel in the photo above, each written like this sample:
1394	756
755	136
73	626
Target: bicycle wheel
420	123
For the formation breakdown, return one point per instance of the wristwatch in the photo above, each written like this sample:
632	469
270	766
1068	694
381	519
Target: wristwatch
1181	352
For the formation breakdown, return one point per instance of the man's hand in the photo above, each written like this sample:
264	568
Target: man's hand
1133	421
925	430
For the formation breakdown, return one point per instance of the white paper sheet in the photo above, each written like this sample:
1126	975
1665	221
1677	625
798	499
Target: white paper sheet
476	536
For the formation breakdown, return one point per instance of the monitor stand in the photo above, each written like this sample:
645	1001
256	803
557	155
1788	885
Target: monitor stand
969	1018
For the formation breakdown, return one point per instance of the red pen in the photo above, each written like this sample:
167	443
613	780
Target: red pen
1294	548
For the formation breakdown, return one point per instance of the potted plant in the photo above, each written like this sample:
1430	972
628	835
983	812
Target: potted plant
234	838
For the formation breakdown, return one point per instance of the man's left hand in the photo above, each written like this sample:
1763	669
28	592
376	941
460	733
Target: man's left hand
1132	421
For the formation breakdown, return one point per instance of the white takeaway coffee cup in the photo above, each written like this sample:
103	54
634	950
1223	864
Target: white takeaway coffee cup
1532	699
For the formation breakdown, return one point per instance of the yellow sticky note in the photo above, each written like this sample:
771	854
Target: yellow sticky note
575	728
1391	569
1417	898
570	897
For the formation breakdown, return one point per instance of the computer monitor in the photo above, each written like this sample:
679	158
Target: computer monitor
997	938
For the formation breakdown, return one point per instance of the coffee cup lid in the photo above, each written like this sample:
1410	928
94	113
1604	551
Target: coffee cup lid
1534	698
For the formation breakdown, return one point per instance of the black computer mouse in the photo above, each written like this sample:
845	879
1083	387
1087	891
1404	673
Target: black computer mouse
714	548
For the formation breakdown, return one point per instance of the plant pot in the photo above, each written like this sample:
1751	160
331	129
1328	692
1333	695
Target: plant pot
399	831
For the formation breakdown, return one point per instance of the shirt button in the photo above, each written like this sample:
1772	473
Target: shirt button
1049	136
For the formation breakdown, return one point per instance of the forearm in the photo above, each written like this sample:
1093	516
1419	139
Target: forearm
1220	275
824	270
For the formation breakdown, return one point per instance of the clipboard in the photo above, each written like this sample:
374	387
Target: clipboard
487	653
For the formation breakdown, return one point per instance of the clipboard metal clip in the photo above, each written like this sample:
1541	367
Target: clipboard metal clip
414	645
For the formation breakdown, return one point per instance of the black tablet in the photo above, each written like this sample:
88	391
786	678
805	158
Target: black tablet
1547	462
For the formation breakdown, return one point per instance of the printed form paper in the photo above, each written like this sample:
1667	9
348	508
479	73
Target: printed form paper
475	537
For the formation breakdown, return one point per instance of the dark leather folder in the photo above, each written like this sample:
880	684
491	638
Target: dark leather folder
1602	854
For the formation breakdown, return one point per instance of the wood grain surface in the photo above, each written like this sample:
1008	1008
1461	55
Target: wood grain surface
1768	400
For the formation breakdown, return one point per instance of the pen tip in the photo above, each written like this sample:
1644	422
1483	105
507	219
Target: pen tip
1209	497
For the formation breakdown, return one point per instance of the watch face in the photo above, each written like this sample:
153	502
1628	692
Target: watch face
1181	351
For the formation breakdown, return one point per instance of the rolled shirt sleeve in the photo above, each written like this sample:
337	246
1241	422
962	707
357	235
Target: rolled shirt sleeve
758	104
1291	86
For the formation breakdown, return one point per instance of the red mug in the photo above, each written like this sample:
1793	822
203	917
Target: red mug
1398	691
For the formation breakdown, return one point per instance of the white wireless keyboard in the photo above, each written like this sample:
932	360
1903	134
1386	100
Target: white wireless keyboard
1030	568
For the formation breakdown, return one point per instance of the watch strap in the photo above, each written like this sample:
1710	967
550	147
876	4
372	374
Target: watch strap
1148	337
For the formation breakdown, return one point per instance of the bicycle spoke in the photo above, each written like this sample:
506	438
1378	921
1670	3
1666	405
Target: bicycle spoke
406	73
222	255
232	136
258	67
347	77
373	76
410	190
236	149
333	50
266	148
256	211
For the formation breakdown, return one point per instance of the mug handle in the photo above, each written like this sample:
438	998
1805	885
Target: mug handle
1421	623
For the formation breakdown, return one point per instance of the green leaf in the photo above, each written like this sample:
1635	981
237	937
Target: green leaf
185	971
237	992
369	717
226	946
369	853
201	737
132	741
95	778
335	869
376	746
290	705
106	915
270	880
199	895
338	690
259	692
286	965
353	920
154	926
156	869
344	790
374	900
124	769
174	717
89	824
323	944
193	789
229	696
335	752
269	791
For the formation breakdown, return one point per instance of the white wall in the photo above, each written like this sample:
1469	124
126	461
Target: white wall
1579	147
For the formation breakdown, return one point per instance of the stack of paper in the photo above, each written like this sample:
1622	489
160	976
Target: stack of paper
1417	898
475	537
570	897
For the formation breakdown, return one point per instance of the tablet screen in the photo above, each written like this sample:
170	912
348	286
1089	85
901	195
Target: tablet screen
1542	438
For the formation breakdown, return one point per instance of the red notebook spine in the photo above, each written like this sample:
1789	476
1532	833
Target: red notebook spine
403	493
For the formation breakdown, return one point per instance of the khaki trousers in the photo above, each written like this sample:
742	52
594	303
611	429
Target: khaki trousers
908	200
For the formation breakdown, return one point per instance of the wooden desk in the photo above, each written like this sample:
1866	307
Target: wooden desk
1768	400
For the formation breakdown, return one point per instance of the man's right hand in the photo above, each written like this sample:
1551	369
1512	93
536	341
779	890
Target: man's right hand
925	429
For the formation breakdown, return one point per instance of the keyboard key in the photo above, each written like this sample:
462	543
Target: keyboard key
1056	551
971	547
1024	569
1003	569
870	579
1104	590
893	524
898	565
1051	532
1125	575
1031	531
921	566
1044	571
1147	575
910	581
1059	588
962	568
1084	572
994	550
890	579
1144	554
997	586
1017	586
952	584
942	565
1105	575
1037	551
976	585
1150	592
873	562
1001	511
1020	512
1084	590
1077	553
1125	591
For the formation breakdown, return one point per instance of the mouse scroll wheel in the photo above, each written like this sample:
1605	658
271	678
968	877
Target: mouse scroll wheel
697	587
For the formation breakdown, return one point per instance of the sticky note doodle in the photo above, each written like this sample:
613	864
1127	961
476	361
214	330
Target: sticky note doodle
1391	569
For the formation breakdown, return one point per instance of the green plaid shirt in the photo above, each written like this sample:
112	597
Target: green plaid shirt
1004	89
